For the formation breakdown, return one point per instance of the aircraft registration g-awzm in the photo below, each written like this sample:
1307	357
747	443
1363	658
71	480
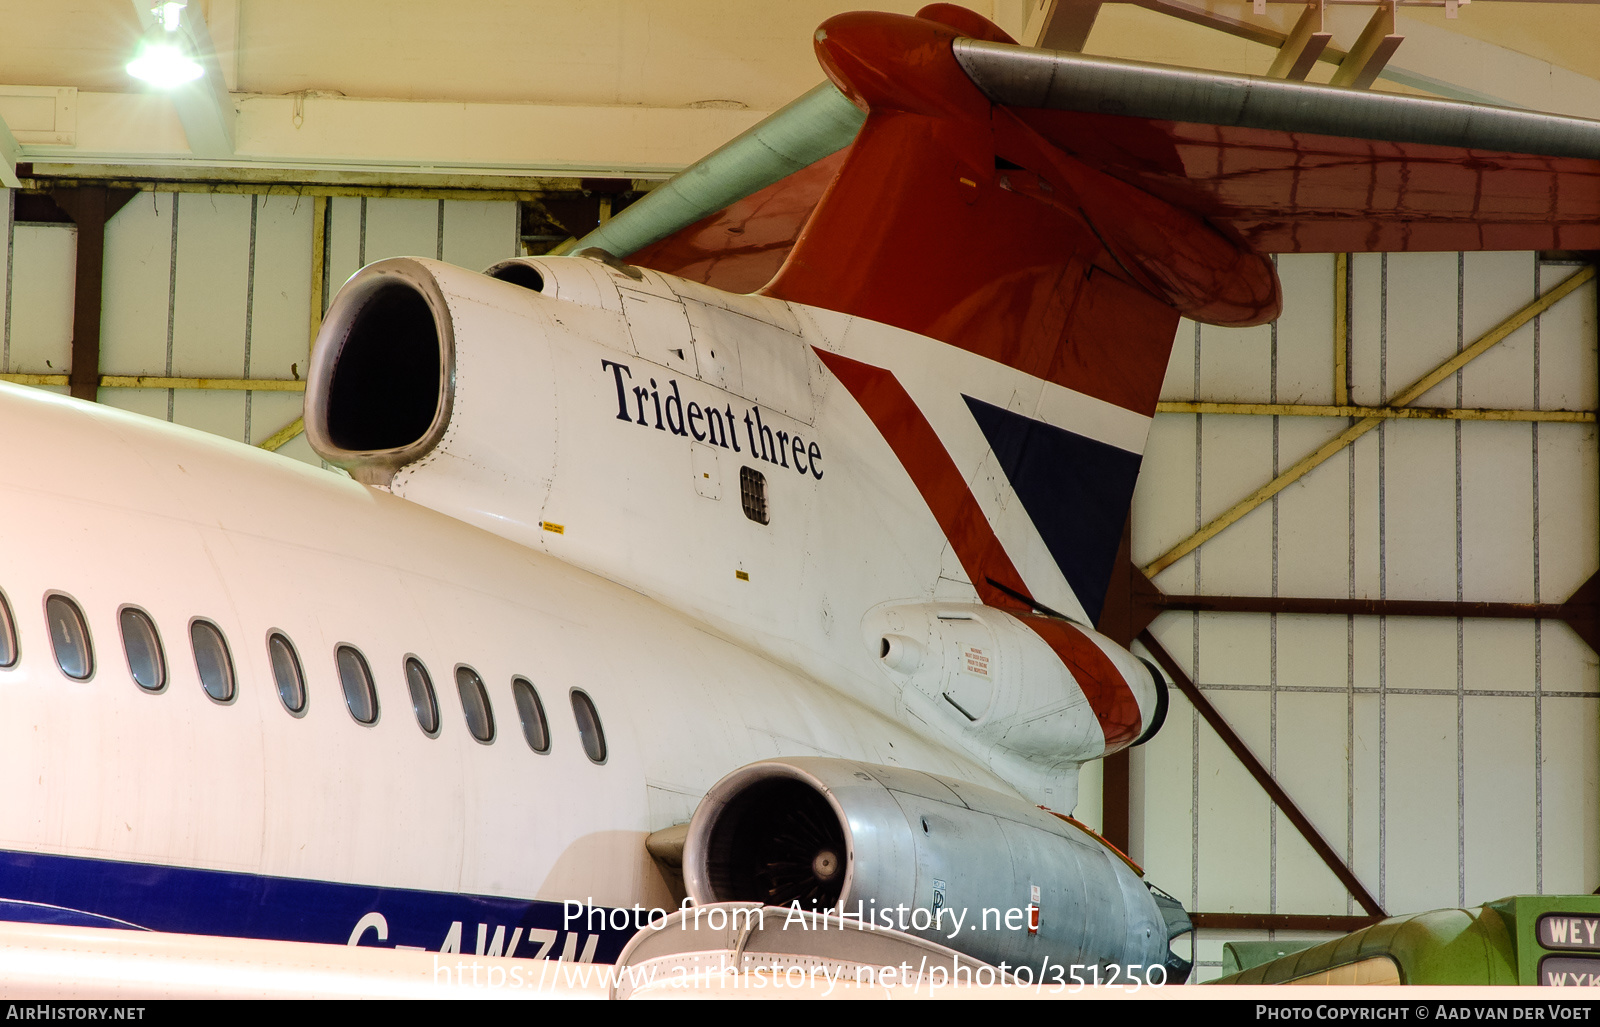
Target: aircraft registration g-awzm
782	509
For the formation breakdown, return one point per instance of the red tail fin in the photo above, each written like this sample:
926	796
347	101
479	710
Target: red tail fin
953	219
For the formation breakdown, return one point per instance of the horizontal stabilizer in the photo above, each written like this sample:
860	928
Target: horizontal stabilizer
1289	166
1020	77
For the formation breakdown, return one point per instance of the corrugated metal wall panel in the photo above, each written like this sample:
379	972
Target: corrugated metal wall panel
477	235
136	297
39	318
1451	761
219	285
211	284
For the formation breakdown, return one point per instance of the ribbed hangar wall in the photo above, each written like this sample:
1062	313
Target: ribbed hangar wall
1449	761
219	285
36	327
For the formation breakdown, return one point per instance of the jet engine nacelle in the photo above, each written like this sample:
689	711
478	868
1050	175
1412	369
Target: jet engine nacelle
979	871
444	385
410	370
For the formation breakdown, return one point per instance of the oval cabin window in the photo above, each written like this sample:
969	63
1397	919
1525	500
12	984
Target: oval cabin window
142	645
423	701
287	672
531	711
475	703
356	678
589	729
212	660
8	635
69	636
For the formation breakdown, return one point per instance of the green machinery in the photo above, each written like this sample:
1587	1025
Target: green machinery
1549	940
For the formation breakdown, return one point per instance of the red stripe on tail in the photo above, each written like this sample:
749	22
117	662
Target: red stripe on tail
925	459
922	454
1108	693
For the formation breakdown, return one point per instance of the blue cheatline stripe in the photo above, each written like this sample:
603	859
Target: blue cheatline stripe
83	892
1075	489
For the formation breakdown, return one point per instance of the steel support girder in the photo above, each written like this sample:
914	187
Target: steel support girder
90	207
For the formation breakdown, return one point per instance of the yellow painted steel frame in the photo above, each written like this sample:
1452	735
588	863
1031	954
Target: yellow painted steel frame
281	437
1407	396
151	381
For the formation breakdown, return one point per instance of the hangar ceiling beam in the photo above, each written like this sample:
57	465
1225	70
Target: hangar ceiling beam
323	133
1409	395
240	181
1367	59
1060	24
10	153
1223	23
1436	77
204	105
1305	44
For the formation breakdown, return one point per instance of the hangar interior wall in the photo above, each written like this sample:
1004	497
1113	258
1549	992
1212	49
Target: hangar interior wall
219	285
1450	761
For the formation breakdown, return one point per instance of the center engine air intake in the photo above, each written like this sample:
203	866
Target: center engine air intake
378	390
979	871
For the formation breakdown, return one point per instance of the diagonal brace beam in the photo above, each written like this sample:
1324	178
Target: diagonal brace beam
1306	42
1405	398
1061	24
283	436
1372	51
1274	791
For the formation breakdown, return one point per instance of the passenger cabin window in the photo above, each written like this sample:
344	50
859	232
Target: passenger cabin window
142	645
423	702
359	693
213	661
534	727
475	703
753	494
69	635
8	635
287	672
589	729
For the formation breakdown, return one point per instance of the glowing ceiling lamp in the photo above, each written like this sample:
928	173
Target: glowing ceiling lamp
165	56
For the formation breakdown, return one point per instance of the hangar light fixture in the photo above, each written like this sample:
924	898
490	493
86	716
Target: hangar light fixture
164	56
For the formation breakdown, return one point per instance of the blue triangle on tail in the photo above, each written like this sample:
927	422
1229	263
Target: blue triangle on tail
1075	489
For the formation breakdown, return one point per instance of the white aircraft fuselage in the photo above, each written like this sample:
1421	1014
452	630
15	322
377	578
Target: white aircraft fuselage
575	521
